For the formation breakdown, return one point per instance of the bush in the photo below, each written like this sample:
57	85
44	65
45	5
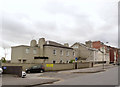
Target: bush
71	61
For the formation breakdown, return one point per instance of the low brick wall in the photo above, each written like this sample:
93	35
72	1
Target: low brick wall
55	67
84	65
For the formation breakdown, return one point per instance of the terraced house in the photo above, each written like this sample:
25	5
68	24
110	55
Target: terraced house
42	52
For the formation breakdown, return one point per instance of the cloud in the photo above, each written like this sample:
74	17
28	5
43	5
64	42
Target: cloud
59	20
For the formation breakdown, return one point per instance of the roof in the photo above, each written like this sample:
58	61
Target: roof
55	44
81	44
21	46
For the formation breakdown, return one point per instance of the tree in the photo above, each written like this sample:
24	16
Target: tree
3	60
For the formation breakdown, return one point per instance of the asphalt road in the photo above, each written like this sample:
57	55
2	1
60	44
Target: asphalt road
108	77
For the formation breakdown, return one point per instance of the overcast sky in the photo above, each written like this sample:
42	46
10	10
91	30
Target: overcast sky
58	20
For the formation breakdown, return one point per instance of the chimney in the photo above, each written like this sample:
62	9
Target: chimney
33	43
66	44
89	43
41	42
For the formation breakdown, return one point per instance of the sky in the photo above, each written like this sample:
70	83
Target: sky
63	21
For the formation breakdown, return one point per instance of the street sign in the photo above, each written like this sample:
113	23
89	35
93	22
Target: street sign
4	67
76	59
49	65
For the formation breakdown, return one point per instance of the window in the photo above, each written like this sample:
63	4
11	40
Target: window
54	52
60	61
75	46
73	53
24	61
54	61
19	60
61	52
67	61
27	50
67	54
34	51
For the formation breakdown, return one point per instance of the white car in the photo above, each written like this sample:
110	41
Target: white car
1	70
23	74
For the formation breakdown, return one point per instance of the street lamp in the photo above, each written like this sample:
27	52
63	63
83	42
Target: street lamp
104	52
103	55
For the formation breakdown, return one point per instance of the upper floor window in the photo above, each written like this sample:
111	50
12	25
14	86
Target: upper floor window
61	52
54	52
75	46
73	53
67	54
27	50
34	51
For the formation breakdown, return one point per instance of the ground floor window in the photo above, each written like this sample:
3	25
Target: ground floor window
24	61
54	61
60	61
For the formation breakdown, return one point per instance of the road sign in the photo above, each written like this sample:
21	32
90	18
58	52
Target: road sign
76	59
4	67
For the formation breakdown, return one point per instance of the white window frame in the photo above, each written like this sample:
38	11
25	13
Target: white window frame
34	51
61	52
27	50
54	52
73	53
67	53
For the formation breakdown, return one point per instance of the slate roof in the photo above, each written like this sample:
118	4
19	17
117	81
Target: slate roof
55	44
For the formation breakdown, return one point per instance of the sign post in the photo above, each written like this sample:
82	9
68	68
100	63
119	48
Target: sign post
76	62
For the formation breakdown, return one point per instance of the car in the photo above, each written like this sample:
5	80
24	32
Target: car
23	74
1	71
35	69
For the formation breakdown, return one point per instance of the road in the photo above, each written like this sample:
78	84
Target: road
108	77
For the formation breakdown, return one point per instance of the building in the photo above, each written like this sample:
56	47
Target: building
113	52
42	52
87	53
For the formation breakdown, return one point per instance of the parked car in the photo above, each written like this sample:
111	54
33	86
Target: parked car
1	71
35	69
23	74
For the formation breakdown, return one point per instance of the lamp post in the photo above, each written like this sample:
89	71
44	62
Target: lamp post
103	55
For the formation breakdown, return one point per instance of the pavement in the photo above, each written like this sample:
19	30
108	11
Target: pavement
95	69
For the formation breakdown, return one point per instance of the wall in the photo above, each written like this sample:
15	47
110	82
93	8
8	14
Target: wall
96	44
48	52
19	52
84	65
16	70
54	68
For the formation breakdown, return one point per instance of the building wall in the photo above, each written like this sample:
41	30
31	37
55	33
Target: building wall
96	44
83	52
91	55
19	53
48	52
16	53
